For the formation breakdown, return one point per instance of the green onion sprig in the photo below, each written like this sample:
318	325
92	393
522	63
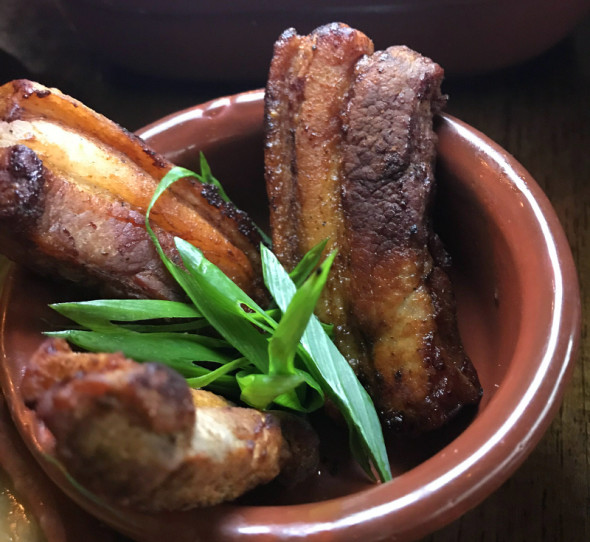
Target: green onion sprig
223	340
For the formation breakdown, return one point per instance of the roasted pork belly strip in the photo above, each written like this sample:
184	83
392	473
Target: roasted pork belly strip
418	372
60	228
308	84
136	435
308	81
97	158
364	179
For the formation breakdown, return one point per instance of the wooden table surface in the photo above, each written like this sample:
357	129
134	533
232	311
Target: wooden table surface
539	112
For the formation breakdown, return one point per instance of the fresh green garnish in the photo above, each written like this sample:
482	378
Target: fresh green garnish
223	340
206	177
335	376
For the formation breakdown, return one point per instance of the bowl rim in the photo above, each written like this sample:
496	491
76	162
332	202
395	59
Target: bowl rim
554	345
507	430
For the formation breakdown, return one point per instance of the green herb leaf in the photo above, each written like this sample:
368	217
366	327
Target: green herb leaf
336	376
221	302
175	349
180	327
285	340
260	390
123	310
307	264
206	177
126	310
212	376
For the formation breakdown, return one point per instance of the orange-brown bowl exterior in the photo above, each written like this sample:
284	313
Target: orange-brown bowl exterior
519	315
229	39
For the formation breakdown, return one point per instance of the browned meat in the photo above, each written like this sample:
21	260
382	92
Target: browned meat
62	228
84	193
370	179
136	434
55	362
417	370
307	88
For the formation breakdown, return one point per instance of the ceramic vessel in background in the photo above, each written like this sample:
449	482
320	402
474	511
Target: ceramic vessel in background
232	40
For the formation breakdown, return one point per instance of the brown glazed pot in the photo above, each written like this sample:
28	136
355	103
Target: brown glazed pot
519	315
226	39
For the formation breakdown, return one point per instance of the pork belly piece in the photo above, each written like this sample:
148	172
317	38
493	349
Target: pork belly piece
417	371
371	188
138	436
307	89
83	193
60	228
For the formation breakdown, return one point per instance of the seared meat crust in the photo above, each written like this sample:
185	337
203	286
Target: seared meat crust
417	371
308	84
94	168
136	435
57	227
353	161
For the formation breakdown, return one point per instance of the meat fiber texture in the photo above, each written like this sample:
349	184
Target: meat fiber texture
350	156
137	436
74	191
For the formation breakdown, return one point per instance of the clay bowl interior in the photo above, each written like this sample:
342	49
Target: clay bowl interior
519	316
233	40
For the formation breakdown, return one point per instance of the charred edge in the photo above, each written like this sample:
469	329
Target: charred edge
287	35
243	221
24	87
157	159
21	183
27	89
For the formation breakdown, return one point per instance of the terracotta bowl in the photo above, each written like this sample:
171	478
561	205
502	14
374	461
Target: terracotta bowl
226	39
519	315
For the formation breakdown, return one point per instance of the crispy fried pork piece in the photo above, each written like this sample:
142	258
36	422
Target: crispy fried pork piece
78	200
138	436
307	88
371	183
70	230
417	370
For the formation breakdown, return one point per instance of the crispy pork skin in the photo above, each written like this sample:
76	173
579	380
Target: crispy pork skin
85	164
354	162
137	435
307	89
